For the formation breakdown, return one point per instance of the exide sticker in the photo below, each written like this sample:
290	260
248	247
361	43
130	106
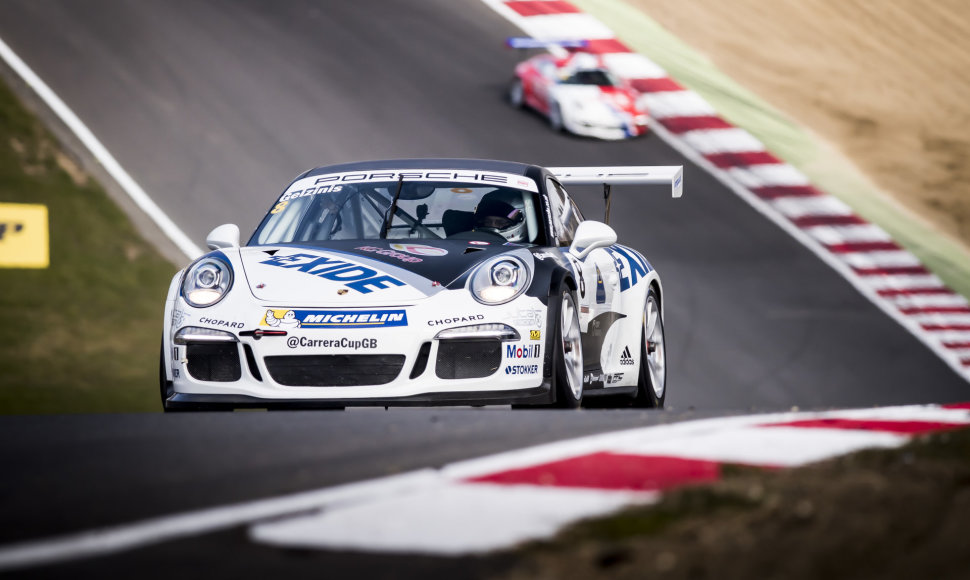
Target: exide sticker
638	267
356	277
334	318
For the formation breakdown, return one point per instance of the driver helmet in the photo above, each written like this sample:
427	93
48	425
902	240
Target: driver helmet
502	213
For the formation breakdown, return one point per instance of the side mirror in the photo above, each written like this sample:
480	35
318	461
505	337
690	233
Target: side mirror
224	236
589	236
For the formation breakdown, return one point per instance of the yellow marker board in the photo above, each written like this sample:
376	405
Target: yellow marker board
23	236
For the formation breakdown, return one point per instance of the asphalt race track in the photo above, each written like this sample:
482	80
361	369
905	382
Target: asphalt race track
213	106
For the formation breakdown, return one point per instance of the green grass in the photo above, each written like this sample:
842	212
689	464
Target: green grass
82	335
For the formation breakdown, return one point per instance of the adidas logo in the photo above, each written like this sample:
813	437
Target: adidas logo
626	358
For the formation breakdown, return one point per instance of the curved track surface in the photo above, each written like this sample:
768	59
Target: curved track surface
213	107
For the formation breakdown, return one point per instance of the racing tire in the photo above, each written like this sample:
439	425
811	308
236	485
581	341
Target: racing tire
516	96
652	381
567	357
555	117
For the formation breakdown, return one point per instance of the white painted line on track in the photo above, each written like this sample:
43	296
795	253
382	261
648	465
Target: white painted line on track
111	165
105	541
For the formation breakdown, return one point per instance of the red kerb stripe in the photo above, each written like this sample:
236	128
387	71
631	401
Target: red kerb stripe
911	291
612	471
957	406
941	327
777	191
957	344
891	270
724	160
828	220
684	124
850	247
540	7
935	310
658	85
901	427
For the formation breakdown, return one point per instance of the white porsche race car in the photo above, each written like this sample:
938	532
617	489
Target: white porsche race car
420	282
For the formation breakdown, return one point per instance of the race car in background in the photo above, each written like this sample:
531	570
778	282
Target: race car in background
575	91
420	282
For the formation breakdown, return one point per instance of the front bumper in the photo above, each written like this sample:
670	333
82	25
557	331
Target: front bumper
605	130
410	365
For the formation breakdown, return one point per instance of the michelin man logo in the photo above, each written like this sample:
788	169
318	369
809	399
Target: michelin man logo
288	320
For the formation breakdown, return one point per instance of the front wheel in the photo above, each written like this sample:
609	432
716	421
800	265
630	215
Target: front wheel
568	356
652	383
555	117
516	93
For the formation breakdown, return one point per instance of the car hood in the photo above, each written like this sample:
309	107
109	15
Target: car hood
359	272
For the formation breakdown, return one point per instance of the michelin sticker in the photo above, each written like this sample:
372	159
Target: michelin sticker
334	318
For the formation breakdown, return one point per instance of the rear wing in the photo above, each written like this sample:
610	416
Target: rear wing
624	175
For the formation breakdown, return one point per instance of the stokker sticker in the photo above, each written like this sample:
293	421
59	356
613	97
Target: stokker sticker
521	369
334	318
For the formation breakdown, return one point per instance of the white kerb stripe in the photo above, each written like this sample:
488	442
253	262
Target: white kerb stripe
956	336
767	175
565	27
834	235
711	141
797	207
905	282
881	259
456	518
929	301
930	413
111	165
784	446
942	318
630	65
667	104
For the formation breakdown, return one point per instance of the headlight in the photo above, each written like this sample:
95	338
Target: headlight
500	280
206	282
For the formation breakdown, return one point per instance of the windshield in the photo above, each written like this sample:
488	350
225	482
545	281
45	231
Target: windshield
596	77
328	207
